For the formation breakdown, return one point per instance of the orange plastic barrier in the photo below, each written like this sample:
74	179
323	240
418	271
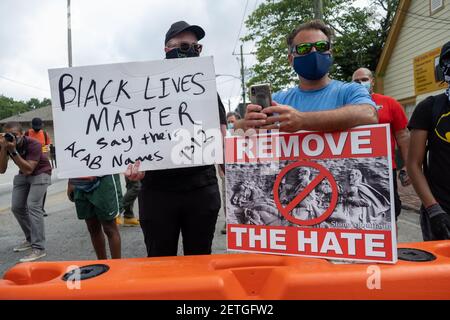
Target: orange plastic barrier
237	276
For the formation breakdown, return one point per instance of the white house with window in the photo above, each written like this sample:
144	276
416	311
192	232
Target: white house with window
406	70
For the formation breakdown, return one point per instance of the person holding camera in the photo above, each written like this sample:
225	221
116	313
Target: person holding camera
318	103
29	186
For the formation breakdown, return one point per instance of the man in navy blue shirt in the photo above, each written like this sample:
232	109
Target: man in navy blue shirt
318	103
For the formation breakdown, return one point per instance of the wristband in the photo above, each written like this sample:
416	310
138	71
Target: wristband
434	210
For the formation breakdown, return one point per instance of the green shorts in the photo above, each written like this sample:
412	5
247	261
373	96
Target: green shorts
103	203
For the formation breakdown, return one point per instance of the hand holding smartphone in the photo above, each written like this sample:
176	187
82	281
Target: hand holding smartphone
261	94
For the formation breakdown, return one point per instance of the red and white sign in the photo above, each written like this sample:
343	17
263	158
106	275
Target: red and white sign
312	194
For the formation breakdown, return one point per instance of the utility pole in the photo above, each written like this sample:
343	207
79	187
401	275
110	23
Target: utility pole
243	77
318	9
69	34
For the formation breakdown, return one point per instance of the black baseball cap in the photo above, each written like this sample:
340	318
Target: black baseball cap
181	26
445	52
36	123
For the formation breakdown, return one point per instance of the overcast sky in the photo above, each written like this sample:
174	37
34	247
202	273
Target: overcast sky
33	37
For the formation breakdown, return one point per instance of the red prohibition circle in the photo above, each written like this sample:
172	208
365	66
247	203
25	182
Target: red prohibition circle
323	174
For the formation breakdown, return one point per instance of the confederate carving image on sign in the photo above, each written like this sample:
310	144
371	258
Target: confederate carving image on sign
361	201
163	113
313	194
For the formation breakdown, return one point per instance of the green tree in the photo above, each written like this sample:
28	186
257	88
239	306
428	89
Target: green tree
35	103
360	36
10	107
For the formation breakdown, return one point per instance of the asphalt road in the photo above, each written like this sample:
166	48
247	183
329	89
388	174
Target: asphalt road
68	238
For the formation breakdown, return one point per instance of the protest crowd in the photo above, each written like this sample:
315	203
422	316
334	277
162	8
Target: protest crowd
187	200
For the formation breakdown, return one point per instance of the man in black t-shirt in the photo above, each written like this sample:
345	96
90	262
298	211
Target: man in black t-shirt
430	129
185	199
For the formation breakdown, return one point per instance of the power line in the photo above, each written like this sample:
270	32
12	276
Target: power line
23	84
240	28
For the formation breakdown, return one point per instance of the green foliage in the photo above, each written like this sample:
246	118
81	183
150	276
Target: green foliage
10	107
360	36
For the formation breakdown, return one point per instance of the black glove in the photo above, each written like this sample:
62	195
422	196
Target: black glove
439	222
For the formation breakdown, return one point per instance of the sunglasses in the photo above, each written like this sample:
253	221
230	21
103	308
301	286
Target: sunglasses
305	48
185	47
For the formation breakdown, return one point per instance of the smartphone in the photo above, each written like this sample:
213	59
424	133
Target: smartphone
261	94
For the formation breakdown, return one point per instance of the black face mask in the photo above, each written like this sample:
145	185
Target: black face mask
177	53
36	129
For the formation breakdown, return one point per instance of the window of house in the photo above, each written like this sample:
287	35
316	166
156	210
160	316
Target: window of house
435	6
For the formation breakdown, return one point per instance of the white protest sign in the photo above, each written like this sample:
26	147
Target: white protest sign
163	113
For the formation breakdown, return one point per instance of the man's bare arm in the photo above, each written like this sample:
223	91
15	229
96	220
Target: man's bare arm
26	166
3	159
414	163
402	139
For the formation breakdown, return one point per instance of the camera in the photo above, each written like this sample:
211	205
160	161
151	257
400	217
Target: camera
10	137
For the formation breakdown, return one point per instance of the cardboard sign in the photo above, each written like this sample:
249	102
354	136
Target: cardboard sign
163	113
312	194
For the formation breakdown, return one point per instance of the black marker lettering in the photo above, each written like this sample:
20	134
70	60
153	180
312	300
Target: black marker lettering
198	84
164	88
92	85
95	164
76	153
117	161
79	91
121	89
132	117
177	87
145	138
185	81
101	142
158	156
161	117
71	148
87	158
130	141
115	143
62	89
118	120
146	88
99	122
149	110
182	112
103	91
